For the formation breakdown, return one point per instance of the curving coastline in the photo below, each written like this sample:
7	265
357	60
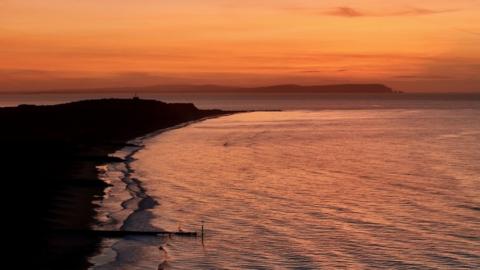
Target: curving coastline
119	209
51	154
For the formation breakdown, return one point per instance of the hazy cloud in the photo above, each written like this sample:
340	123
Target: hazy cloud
350	12
345	12
310	71
476	33
424	77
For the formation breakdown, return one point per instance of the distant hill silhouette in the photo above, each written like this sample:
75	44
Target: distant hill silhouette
212	88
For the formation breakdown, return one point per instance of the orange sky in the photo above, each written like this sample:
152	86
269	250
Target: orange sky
429	45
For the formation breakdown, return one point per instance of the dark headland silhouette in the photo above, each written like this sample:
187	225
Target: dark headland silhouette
49	158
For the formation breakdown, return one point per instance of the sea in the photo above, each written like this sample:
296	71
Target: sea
301	182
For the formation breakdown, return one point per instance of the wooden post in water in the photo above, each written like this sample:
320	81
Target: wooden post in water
203	231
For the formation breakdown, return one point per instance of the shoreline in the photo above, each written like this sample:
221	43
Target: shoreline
51	157
135	189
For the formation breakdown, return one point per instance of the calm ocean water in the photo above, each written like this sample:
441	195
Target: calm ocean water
303	189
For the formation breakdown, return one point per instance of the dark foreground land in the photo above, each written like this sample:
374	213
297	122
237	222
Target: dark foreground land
49	176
